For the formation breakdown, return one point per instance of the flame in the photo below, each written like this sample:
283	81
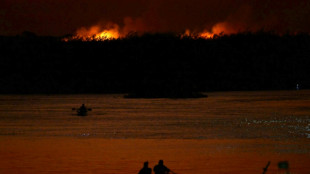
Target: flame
206	35
97	33
108	34
112	31
217	29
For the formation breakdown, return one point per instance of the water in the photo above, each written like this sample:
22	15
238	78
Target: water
228	132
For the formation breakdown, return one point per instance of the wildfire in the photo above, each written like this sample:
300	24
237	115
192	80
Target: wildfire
204	34
107	34
113	31
218	29
97	33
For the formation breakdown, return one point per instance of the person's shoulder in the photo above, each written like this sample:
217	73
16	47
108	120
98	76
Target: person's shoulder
166	168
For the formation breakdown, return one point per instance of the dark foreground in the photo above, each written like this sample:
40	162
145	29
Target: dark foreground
126	156
163	63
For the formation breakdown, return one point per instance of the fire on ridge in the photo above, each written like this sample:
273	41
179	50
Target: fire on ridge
113	31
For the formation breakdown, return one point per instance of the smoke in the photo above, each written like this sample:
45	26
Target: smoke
134	25
239	20
203	17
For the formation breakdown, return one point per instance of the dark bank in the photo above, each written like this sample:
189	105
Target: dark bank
154	65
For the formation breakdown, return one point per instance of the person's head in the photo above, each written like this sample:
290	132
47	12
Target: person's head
146	164
161	162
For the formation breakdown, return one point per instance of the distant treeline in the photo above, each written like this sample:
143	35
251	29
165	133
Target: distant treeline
154	63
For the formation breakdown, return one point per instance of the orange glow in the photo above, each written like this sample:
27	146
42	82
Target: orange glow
203	35
206	35
113	31
97	33
217	29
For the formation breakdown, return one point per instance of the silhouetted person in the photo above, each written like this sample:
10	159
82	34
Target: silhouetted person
83	108
145	169
160	168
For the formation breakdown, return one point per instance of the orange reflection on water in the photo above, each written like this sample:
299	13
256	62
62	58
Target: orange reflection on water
95	155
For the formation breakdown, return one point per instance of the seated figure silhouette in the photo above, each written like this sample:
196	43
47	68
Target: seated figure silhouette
160	168
82	111
145	169
83	108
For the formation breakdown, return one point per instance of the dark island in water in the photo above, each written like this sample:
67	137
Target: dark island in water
154	65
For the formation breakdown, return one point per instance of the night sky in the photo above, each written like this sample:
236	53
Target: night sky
60	17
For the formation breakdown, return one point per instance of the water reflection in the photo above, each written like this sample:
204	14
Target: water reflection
229	132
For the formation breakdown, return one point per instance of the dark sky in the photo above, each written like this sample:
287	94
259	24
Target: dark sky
60	17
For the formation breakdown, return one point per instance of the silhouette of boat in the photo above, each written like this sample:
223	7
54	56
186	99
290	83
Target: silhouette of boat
81	112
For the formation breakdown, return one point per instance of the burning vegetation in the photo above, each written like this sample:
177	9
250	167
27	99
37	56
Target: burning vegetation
96	33
233	24
113	31
155	65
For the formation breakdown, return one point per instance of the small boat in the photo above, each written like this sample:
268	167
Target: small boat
82	111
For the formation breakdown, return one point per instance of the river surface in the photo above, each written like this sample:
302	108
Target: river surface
228	132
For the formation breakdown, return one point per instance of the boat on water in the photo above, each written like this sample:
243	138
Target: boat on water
82	111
